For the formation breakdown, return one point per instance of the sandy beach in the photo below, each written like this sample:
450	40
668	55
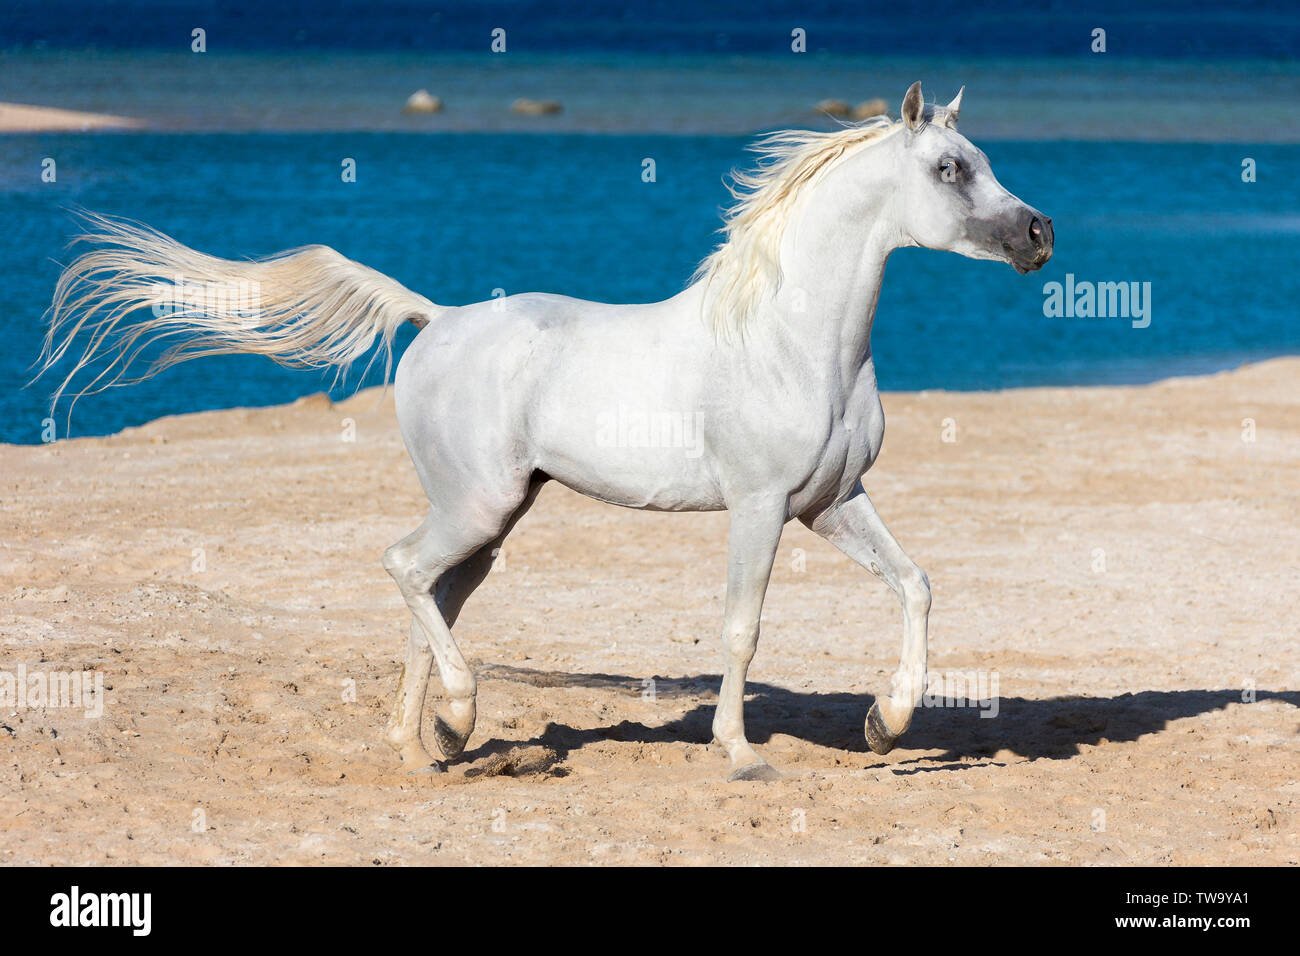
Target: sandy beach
1123	560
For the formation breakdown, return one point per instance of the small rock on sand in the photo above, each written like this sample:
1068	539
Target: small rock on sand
517	762
316	400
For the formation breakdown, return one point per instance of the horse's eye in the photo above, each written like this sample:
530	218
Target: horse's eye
949	169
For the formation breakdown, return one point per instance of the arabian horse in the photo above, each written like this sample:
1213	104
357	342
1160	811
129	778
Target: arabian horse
768	349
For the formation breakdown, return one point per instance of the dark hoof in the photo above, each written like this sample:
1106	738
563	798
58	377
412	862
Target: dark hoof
879	739
450	743
760	772
435	767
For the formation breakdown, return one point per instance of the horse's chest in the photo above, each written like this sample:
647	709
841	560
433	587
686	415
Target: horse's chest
863	438
852	444
859	427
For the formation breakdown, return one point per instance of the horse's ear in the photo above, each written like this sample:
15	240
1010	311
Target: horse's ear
914	107
953	109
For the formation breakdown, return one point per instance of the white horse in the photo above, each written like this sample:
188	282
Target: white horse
768	352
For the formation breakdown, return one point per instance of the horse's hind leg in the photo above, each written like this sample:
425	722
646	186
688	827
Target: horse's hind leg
436	591
450	594
404	726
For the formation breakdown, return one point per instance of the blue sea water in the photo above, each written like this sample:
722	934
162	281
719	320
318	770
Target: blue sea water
456	216
1136	154
1151	28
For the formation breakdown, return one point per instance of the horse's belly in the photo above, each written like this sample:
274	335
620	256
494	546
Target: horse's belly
654	478
624	424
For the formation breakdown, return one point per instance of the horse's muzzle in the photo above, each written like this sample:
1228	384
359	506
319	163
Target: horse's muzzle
1033	247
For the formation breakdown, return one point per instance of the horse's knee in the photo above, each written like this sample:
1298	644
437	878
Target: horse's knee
915	591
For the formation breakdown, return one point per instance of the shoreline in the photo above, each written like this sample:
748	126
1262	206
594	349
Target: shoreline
370	393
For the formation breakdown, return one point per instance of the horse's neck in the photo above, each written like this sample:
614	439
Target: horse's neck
832	264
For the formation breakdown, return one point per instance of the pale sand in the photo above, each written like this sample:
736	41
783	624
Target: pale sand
17	118
1122	735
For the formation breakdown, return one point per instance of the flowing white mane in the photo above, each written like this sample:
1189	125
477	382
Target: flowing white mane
746	267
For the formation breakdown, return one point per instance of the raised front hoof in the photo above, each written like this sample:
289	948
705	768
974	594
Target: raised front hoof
757	772
451	743
435	767
879	739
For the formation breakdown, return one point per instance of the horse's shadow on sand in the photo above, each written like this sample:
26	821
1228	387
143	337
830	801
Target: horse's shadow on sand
1051	729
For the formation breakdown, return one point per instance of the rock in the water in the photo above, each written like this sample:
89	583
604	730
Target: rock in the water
870	108
527	107
422	101
836	108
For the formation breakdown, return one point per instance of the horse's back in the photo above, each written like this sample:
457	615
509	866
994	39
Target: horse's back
525	336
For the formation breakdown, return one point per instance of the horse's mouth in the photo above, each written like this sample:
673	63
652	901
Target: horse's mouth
1018	262
1026	264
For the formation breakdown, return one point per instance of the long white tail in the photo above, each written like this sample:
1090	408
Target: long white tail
305	308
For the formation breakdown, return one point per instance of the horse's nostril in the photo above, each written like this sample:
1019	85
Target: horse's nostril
1036	231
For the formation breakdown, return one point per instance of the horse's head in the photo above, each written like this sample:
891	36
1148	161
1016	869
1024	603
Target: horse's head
950	199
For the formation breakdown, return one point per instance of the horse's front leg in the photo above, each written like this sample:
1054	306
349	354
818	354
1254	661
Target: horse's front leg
853	526
755	534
